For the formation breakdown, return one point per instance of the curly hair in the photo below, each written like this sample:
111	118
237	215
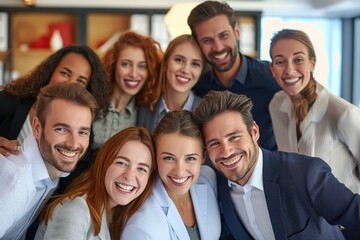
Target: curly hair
309	94
150	92
30	84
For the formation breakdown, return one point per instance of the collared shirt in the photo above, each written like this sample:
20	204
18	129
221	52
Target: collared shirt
25	183
254	79
113	123
250	204
164	108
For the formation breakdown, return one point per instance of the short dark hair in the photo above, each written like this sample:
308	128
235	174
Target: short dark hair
207	10
73	92
216	102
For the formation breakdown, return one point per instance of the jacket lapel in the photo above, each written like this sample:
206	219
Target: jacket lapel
227	209
200	207
272	194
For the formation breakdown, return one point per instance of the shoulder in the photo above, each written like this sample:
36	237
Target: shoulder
258	65
141	225
67	208
278	99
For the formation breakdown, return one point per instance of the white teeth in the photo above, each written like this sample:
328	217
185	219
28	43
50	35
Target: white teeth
292	80
67	154
125	188
132	83
179	180
232	161
222	56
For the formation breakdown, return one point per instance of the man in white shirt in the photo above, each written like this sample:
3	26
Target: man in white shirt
270	194
61	131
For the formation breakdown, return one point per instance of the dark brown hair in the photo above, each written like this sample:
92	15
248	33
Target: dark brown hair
216	102
72	92
207	10
30	84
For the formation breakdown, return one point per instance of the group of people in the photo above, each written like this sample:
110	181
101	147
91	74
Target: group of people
115	148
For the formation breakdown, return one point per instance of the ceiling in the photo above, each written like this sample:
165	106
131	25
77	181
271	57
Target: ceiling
328	8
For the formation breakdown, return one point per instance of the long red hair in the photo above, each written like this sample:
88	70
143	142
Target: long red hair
92	182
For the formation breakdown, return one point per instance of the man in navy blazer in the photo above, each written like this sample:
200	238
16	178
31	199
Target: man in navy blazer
271	195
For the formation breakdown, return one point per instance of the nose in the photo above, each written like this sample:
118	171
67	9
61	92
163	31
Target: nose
129	173
72	141
226	150
180	167
133	71
217	46
289	68
186	67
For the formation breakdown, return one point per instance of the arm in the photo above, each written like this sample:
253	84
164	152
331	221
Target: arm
331	199
348	129
70	220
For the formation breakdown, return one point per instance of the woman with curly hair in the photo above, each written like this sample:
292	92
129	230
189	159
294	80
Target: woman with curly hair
69	64
132	69
107	194
306	117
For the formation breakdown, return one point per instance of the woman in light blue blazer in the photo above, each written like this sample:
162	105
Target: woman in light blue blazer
183	204
115	186
180	70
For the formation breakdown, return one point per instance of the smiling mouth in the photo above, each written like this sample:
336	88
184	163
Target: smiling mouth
124	187
220	56
291	80
231	161
179	181
67	153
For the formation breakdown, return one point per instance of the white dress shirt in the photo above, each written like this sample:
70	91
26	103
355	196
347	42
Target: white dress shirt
25	183
250	204
330	131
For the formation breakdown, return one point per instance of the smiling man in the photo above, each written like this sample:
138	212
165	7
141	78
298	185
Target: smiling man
61	132
270	194
214	26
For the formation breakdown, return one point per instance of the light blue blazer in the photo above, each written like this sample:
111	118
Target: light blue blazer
71	221
158	218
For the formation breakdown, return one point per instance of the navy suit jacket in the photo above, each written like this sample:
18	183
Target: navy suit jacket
304	199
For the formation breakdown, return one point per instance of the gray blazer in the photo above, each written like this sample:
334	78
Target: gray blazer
71	221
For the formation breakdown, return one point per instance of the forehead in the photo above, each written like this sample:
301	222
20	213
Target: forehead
165	142
223	124
132	53
288	46
188	50
66	112
212	27
136	151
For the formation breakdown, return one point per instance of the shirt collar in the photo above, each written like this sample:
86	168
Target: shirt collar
187	106
39	171
240	75
256	178
129	108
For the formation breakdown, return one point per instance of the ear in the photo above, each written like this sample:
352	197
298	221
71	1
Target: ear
313	63
237	31
255	132
36	127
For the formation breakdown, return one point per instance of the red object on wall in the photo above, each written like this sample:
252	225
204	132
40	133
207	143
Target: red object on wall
65	31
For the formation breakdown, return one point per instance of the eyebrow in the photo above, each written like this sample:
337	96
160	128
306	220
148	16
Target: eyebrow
226	136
